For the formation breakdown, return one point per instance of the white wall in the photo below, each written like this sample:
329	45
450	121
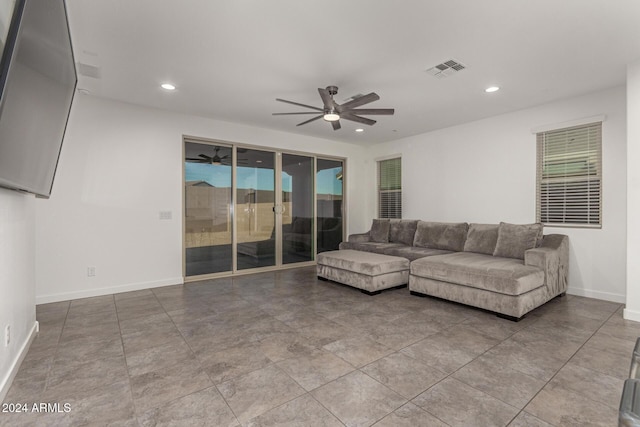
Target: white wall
632	309
17	281
120	165
485	172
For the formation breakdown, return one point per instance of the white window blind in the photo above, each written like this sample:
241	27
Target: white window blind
390	188
569	176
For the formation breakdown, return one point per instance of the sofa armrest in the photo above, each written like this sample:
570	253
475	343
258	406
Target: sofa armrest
552	256
359	238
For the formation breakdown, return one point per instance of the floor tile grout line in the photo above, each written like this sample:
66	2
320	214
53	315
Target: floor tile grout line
55	355
345	375
306	393
560	369
124	355
293	379
57	349
213	383
129	372
474	359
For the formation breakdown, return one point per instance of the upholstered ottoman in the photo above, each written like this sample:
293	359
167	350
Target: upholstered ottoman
367	271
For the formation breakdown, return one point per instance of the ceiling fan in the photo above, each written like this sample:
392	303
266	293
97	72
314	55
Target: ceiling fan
216	159
332	111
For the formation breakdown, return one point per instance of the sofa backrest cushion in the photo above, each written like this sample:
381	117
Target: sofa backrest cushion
441	235
380	231
515	239
402	231
482	238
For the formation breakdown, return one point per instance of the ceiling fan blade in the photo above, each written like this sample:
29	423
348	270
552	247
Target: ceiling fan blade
310	120
288	114
354	118
336	125
204	156
195	160
373	111
365	99
300	105
327	100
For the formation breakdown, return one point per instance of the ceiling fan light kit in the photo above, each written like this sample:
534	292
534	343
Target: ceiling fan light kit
331	116
332	111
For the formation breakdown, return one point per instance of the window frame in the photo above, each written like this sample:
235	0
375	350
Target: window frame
578	171
389	212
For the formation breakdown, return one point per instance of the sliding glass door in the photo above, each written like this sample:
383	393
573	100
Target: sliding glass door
248	208
207	215
255	213
297	208
329	189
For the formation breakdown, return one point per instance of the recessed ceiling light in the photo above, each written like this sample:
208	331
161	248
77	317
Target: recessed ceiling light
492	89
167	86
359	130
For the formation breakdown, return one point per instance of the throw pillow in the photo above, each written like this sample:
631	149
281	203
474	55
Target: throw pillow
380	231
514	240
482	238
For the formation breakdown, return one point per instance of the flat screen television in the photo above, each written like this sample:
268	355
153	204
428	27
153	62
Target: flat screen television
37	84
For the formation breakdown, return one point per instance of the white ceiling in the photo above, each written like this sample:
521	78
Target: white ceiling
230	59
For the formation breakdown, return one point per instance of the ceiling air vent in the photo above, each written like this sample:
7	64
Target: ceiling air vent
446	69
89	70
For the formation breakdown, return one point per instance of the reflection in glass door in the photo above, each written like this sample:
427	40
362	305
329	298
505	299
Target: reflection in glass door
208	228
329	186
297	208
255	213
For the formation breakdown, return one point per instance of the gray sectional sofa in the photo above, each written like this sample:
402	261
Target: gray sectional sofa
505	268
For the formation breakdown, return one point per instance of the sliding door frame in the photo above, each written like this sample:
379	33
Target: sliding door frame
278	203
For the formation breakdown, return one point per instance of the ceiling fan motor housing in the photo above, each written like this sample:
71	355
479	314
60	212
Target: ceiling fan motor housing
333	90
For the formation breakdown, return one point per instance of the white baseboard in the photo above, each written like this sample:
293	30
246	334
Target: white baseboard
631	315
15	366
87	293
607	296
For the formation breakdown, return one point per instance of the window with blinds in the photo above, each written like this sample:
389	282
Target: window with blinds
390	188
569	176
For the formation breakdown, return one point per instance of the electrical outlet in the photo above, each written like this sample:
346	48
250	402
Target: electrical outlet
7	335
91	271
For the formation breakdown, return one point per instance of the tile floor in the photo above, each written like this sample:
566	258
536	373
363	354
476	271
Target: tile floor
286	349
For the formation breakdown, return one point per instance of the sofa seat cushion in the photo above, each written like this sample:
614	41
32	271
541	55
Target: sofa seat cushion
369	264
375	247
411	252
507	276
